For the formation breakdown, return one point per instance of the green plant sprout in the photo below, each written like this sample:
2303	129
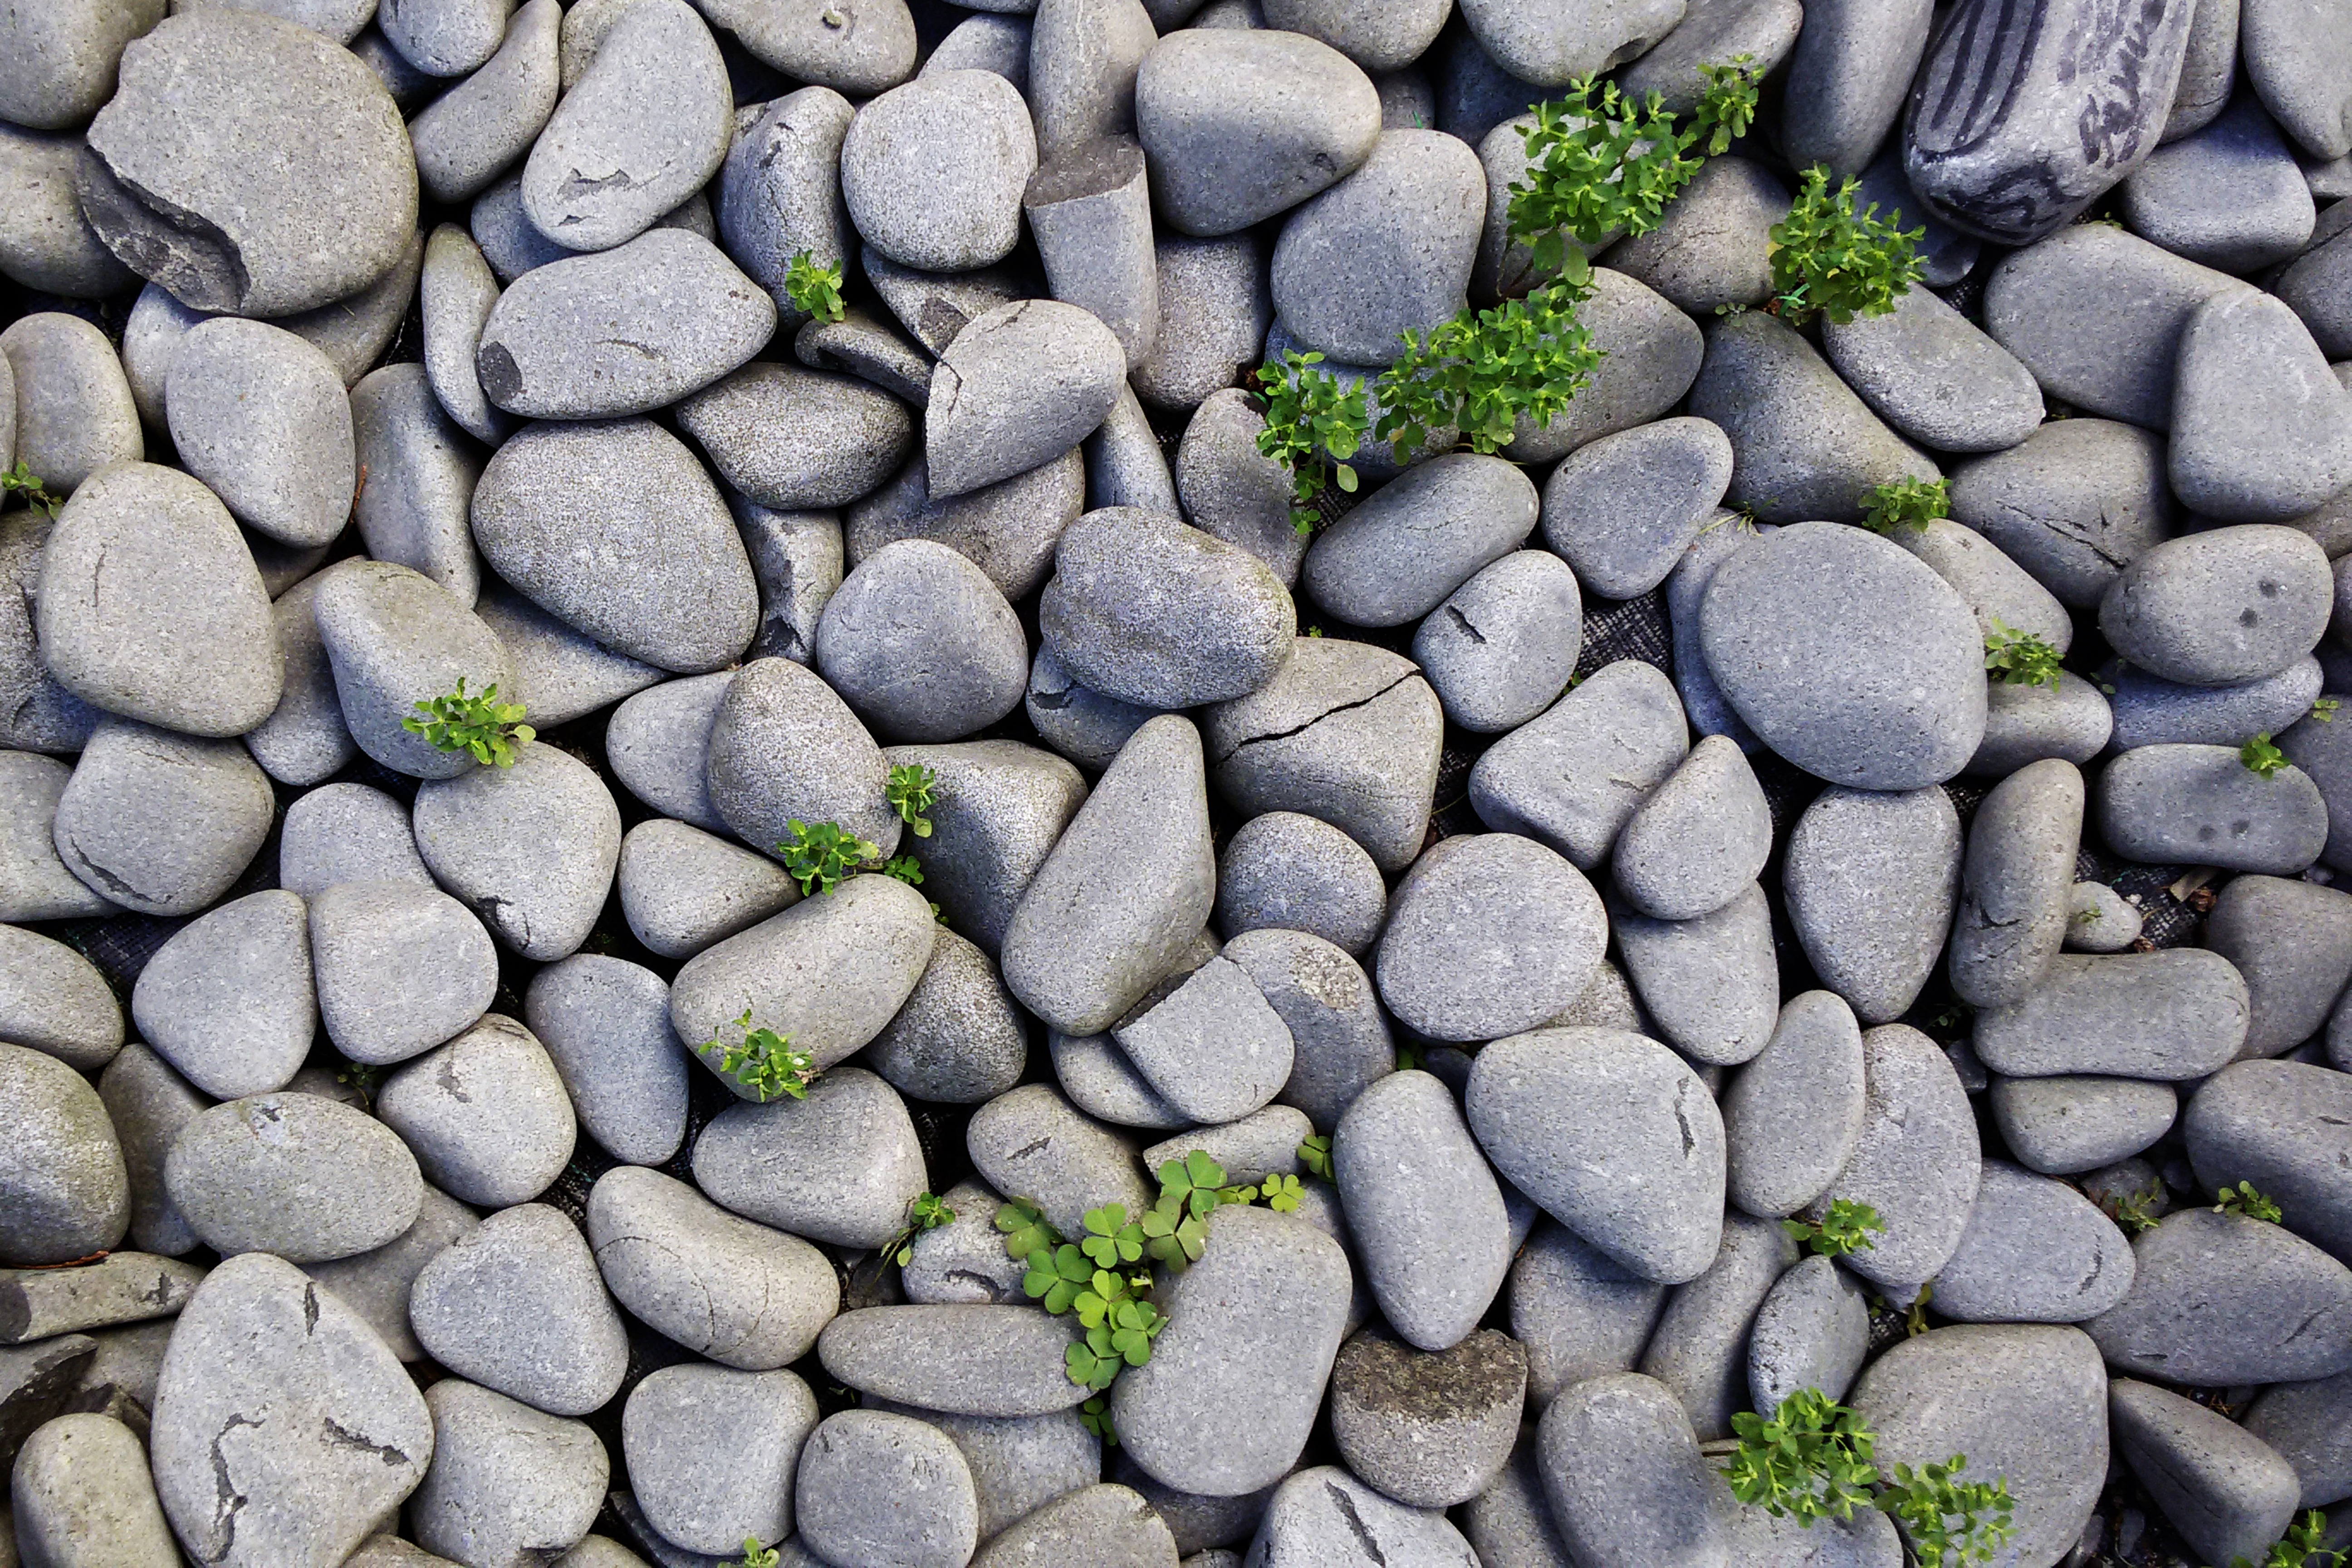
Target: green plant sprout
2261	758
1908	502
1845	1228
2323	709
2131	1210
1829	260
21	481
2242	1199
756	1555
814	289
1315	1154
1482	371
2301	1547
478	724
764	1062
820	854
1095	1417
2019	658
1915	1316
1312	423
909	790
925	1212
1811	1459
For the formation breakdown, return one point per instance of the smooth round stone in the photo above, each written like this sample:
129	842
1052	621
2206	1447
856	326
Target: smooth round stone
415	514
1711	981
333	1434
399	967
657	741
486	1114
53	999
1848	78
616	529
1934	376
473	131
262	419
742	1294
1624	509
2292	941
2230	195
1230	490
998	806
62	1173
303	1177
790	437
441	37
2262	430
2219	1299
2150	710
151	608
678	1415
1018	388
1283	870
1241	125
1794	1115
1806	445
82	1495
779	192
395	638
1030	1142
162	823
1539	46
249	165
1078	722
1434	1260
529	846
517	1306
1211	1046
1614	1136
2015	883
840	1166
558	674
959	1038
1200	1420
2063	1126
1214	310
1502	647
1698	1349
1653	355
33	882
2100	919
1345	731
1871	878
855	1463
2024	1402
1434	1429
1916	1163
921	643
1145	610
1396	556
2304	1424
2075	504
964	1263
962	1360
2280	1123
229	1000
44	245
1624	1478
784	747
72	409
2030	722
1487	935
2315	286
376	1285
1340	1044
1322	1514
1699	839
604	1023
2225	1490
2003	594
1572	776
2094	1015
1712	246
2200	806
508	1483
2221	608
644	127
933	170
1878	684
1812	1331
1386	251
623	331
62	60
2035	1251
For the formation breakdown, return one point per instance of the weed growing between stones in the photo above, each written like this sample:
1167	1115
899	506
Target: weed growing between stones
1313	426
2242	1199
764	1062
925	1211
2262	758
1845	1228
1830	260
2021	659
1907	502
909	790
2301	1547
814	289
476	723
21	481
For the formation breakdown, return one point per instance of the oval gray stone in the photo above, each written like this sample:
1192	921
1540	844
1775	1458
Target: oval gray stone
2220	1299
1916	1163
2063	1126
486	1114
1871	878
840	1166
162	823
2217	609
919	641
1622	509
415	514
1283	871
2015	882
1571	776
2282	1125
1386	251
2092	1014
784	747
962	1360
53	999
1503	647
933	170
2035	1251
399	967
1432	1257
395	638
789	438
678	1415
262	419
1396	557
856	1460
516	1305
1622	1472
2201	805
1793	1115
1029	1143
229	1000
1811	1332
604	1023
33	882
1711	982
2074	503
958	1039
1489	934
529	848
1018	386
508	1483
306	1178
63	1174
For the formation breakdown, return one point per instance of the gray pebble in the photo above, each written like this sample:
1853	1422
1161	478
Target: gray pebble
161	823
1550	48
2035	1251
2075	504
1433	1258
399	967
1572	776
1625	1477
331	1435
486	1113
1652	356
444	37
2221	608
1711	247
779	192
39	714
63	1173
1489	934
1934	376
304	740
1018	388
2314	285
474	130
2004	595
55	1000
874	1489
962	1359
1698	840
1212	1048
148	1104
1340	1043
228	1000
1293	113
1009	529
985	42
1848	78
558	673
1082	725
933	307
604	1023
923	645
1214	310
2027	723
2062	1126
1700	1349
1759	32
292	1173
742	1294
2015	882
346	833
396	640
659	741
1090	211
414	514
1264	1142
1305	1519
1125	464
529	848
326	209
1711	982
508	1484
62	60
2151	710
2292	942
2262	428
1624	509
1030	1144
516	1304
1812	1331
1794	1115
82	1495
1082	66
1214	624
963	1262
1385	252
2100	919
2298	73
262	419
178	632
933	170
677	1416
840	1166
958	1039
1917	1162
792	439
1230	490
1579	1312
1871	878
2093	1015
797	560
2304	1424
2229	196
2209	70
376	1284
73	410
998	808
1396	556
2219	1299
2279	1125
2201	805
783	746
1502	647
1285	870
2226	1491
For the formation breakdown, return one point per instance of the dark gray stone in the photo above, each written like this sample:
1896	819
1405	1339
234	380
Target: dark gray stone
2150	710
2219	1299
33	882
1712	245
1812	1331
998	808
2292	942
1917	1162
558	673
1625	1477
2004	595
1573	776
1111	1525
1550	49
1871	878
304	740
2060	1126
2035	1251
2303	1423
657	741
1325	1517
1624	509
1340	1042
1699	841
2318	287
963	1262
2226	1491
1090	212
1434	1256
2015	883
2031	723
1398	555
2228	196
161	823
797	560
1082	64
779	194
2093	1015
2262	430
53	999
1794	1115
1081	724
2075	505
1934	376
2281	1125
516	1304
2200	805
1848	78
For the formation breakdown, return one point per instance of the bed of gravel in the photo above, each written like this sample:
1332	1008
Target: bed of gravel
1544	880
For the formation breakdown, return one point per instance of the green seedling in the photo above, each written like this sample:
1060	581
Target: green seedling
820	854
2323	709
756	1555
1313	426
909	790
478	724
1482	371
1095	1417
1845	1228
2303	1546
764	1062
1808	1460
1025	1231
1915	1317
21	481
2242	1199
2019	658
814	289
925	1211
2133	1212
1281	1194
1829	260
1950	1523
1315	1154
2261	758
1906	503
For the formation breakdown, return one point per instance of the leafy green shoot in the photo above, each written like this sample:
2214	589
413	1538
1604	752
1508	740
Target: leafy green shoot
756	1555
1951	1523
2303	1546
909	790
1313	426
820	854
764	1062
2242	1199
1095	1417
1482	371
1845	1227
1908	502
1281	1194
2261	757
1809	1460
925	1211
904	868
2021	659
814	289
1830	260
492	732
2134	1212
21	481
2323	709
1024	1227
1315	1154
